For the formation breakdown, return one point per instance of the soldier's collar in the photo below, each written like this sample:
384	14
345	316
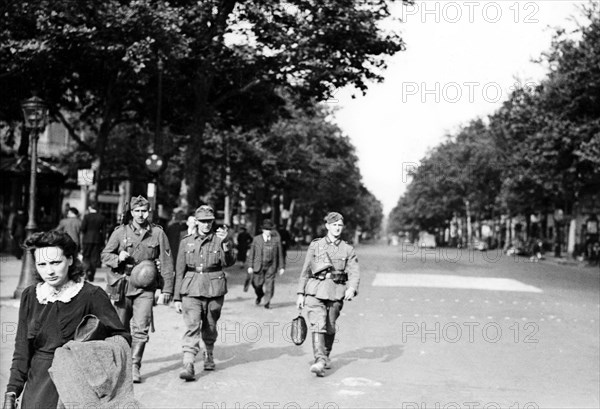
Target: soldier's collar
147	227
198	235
336	242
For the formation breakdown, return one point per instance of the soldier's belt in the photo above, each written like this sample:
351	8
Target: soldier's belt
202	270
336	276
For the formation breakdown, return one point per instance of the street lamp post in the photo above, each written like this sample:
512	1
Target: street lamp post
35	113
155	164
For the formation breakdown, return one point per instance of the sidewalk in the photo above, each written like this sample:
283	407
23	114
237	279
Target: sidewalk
10	271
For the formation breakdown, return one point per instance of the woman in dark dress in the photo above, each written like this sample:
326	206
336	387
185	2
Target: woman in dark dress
50	312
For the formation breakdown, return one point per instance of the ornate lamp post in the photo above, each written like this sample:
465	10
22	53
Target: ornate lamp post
155	164
35	113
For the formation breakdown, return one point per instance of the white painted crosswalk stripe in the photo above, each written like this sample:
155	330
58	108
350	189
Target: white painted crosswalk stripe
452	281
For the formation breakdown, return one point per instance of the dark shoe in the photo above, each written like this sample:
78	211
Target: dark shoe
258	299
209	363
267	306
187	373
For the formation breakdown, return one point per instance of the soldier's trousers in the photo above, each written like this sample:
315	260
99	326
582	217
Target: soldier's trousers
136	314
200	316
322	314
264	283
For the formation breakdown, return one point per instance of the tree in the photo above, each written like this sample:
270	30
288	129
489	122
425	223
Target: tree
305	158
223	63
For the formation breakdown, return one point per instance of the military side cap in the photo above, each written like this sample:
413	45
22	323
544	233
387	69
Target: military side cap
333	217
267	224
138	201
205	212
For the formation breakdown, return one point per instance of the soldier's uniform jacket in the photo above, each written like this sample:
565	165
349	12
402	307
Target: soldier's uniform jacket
200	263
150	244
342	259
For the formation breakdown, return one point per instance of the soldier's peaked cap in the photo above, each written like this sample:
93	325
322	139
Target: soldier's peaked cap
205	212
333	217
138	201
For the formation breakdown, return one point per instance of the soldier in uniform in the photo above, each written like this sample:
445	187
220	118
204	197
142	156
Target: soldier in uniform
265	258
329	277
128	245
200	287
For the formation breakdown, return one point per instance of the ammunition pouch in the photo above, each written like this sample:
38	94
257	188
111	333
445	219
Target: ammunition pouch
115	285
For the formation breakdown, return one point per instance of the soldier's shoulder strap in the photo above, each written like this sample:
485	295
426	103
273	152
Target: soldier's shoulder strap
119	229
157	226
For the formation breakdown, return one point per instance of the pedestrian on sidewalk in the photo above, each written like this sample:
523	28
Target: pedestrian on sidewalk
175	230
93	233
329	276
72	225
129	245
16	225
264	260
243	239
200	287
49	314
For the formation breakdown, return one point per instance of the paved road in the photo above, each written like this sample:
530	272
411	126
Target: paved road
431	329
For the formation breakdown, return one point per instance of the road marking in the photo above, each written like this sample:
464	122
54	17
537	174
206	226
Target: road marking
350	393
357	382
452	281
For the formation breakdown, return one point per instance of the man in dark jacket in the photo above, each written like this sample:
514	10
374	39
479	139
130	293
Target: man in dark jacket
72	226
93	230
264	260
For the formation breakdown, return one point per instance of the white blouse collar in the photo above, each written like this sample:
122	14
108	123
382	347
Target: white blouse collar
45	293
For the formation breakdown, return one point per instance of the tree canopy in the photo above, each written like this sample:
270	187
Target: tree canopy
539	151
225	67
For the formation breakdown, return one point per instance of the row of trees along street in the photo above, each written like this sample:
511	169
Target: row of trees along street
226	91
540	151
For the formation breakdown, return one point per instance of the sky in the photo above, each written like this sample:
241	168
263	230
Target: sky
463	58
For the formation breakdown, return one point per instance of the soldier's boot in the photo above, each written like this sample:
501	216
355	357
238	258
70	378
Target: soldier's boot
329	339
188	373
137	352
318	341
209	363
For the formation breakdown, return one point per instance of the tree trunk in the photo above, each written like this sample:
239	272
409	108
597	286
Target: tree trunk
193	169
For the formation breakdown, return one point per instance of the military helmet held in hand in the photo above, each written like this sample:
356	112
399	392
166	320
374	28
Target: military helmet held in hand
144	274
